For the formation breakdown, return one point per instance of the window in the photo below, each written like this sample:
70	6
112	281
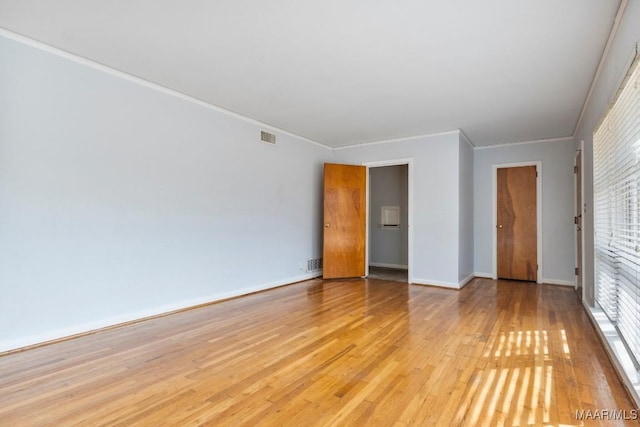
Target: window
616	164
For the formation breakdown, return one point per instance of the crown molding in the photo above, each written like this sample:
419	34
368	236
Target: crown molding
146	83
537	141
391	141
603	58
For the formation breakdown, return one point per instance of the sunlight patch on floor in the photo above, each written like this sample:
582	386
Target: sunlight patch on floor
519	390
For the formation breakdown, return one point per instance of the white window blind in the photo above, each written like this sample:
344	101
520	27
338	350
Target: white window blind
616	181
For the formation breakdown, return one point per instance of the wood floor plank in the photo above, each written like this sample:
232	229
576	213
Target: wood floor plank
353	352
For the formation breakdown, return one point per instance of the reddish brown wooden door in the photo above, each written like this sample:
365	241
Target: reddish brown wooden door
345	207
517	250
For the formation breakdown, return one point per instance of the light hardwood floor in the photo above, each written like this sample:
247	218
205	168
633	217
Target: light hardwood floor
356	352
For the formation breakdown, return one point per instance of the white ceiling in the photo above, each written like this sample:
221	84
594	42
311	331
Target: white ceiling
342	72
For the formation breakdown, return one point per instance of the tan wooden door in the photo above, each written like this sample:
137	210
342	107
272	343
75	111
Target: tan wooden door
345	206
517	223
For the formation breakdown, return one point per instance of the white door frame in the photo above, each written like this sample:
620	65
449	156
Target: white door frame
576	213
538	165
395	162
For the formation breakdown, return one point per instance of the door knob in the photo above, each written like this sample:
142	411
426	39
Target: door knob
500	226
326	225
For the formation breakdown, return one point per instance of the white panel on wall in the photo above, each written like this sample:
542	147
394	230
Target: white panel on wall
390	216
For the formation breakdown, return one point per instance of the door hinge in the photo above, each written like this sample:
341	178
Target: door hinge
575	169
577	271
536	174
575	220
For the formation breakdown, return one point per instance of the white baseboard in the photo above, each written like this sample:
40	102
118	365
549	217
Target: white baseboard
483	275
558	282
547	281
396	266
88	327
437	283
466	281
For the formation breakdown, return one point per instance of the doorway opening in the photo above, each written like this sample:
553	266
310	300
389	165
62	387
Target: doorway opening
388	220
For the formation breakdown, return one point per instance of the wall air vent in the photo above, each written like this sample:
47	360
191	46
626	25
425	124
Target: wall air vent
314	264
267	137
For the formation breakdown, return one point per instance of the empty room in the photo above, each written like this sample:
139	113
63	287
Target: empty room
320	213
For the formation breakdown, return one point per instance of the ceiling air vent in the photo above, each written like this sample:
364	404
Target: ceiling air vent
268	137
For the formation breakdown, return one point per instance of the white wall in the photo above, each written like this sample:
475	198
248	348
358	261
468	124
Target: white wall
388	247
610	78
119	201
557	158
466	209
435	200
